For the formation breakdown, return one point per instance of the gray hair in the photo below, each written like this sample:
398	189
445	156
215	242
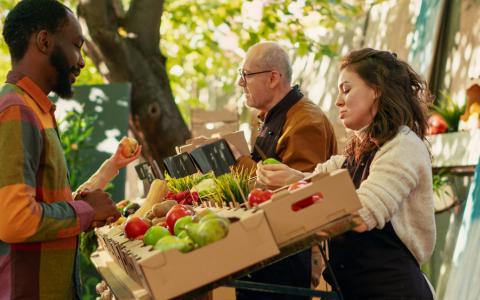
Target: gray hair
274	57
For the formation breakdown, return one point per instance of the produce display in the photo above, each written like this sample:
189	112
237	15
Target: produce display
166	220
231	188
190	220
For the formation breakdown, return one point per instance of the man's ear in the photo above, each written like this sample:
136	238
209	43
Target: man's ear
275	78
44	41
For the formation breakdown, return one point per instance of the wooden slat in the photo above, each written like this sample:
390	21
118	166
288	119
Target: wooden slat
122	286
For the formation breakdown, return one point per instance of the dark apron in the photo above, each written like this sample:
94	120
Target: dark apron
374	264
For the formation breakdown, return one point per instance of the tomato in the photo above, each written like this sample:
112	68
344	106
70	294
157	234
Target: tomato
257	196
175	213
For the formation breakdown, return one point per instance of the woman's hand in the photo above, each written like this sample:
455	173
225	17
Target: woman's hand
277	175
120	161
360	225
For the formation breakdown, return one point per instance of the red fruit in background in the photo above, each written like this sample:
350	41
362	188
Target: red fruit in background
175	213
304	202
257	196
135	227
436	124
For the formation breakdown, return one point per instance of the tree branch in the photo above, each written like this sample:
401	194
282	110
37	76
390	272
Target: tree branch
143	19
102	23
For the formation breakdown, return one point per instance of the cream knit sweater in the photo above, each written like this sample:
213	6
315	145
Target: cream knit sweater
399	190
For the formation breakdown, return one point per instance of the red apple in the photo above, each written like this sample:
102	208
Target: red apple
135	227
175	213
257	196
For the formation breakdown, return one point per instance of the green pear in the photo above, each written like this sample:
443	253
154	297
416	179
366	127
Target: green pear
207	232
172	242
202	214
182	234
180	224
154	234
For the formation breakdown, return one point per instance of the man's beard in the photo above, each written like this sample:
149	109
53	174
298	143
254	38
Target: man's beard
59	61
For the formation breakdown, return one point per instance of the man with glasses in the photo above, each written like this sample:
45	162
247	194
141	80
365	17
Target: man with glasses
294	131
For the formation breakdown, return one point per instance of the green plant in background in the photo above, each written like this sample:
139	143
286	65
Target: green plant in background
444	194
450	111
440	180
76	128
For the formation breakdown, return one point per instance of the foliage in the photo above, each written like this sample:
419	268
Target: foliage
76	129
77	126
89	74
204	41
440	179
450	111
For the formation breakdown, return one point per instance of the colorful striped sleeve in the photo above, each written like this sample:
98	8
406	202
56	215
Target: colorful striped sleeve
22	217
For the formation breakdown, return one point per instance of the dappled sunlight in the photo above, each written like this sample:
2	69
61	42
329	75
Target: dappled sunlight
456	148
407	27
110	143
463	62
63	107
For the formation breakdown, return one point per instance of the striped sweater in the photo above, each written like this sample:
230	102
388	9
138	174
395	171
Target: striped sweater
39	221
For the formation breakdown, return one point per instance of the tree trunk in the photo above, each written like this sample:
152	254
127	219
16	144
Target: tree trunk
125	47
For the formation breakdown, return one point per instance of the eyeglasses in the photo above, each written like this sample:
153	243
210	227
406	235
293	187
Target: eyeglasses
243	74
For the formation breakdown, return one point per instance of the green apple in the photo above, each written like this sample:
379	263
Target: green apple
180	224
271	161
154	234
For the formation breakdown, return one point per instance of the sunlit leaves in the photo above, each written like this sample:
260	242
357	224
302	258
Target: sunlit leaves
204	41
207	39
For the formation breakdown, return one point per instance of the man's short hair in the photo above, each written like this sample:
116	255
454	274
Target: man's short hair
276	58
29	17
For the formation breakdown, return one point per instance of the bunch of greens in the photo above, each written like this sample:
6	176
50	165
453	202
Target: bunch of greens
232	187
186	183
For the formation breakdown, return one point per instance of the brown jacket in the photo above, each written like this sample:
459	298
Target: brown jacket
307	138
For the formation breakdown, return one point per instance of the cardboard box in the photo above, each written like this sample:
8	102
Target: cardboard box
172	273
206	123
236	138
339	199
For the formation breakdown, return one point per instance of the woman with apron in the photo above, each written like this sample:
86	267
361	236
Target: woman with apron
383	101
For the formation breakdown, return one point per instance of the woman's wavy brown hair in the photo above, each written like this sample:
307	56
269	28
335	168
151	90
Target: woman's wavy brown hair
403	98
